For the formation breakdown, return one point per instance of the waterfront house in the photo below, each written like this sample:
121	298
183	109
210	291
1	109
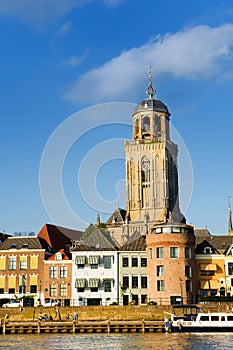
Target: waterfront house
133	283
95	270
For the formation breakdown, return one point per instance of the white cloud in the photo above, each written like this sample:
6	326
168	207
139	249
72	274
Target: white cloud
196	52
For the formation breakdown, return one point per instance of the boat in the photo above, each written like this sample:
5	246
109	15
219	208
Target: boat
193	319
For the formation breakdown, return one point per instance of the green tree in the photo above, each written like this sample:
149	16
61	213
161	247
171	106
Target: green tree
90	228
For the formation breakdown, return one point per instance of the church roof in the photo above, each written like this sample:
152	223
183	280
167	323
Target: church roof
150	104
117	217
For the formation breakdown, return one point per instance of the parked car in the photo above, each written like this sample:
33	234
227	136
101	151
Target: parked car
14	303
51	302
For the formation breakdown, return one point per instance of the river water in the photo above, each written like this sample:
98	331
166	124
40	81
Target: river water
149	341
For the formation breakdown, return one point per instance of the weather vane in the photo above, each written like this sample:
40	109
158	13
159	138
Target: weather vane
150	91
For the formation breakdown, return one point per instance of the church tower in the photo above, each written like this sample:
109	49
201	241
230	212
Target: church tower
151	165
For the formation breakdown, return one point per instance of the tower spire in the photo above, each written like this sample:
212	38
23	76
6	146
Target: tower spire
150	91
229	215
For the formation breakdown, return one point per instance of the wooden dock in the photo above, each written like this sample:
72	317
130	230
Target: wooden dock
38	327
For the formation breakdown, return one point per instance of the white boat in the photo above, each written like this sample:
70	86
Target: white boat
194	319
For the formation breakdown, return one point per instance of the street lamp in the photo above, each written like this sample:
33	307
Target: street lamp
40	283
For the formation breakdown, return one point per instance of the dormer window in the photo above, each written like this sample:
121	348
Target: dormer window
13	246
58	256
207	250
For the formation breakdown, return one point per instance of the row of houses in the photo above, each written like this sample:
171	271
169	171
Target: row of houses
174	263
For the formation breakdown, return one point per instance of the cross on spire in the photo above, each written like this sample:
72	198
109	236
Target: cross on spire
150	91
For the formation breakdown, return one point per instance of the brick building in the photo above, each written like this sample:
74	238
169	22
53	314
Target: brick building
22	267
171	263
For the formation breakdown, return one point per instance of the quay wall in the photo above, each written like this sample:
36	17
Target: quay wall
102	313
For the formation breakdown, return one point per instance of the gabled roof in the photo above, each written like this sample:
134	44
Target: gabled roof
118	217
57	237
201	232
21	243
65	255
220	243
101	240
200	248
137	245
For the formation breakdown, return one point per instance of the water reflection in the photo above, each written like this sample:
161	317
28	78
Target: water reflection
121	341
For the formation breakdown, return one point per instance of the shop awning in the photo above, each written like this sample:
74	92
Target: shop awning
93	259
80	283
208	267
80	260
214	284
204	284
93	283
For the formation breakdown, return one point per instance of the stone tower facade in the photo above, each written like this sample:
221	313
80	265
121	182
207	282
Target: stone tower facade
151	165
152	193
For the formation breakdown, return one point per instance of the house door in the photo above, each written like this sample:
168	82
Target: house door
125	299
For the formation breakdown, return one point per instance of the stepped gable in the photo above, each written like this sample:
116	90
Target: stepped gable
21	242
101	240
57	237
136	245
118	217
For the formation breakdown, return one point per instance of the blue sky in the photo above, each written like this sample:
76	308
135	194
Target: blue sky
58	58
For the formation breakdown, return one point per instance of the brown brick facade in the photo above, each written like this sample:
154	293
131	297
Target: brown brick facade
171	264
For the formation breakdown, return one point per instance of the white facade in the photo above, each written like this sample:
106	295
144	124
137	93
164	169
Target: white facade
94	277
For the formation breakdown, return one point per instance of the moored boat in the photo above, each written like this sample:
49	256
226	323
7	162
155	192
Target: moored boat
193	319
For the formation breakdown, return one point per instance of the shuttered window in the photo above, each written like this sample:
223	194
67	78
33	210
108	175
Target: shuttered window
2	263
11	281
2	282
33	280
107	262
34	262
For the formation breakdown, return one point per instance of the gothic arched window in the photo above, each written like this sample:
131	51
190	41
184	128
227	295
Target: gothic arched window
145	181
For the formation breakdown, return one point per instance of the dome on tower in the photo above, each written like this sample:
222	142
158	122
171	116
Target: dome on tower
150	104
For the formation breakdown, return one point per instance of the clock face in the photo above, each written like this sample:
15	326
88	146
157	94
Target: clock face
145	164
